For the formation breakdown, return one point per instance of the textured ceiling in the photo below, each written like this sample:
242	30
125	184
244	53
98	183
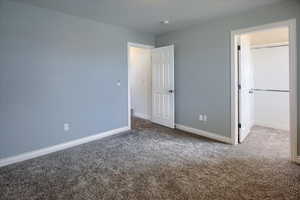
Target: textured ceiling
145	15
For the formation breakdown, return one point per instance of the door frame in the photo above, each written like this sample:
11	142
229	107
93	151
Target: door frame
138	45
291	24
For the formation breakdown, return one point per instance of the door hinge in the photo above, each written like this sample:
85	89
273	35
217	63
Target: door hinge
240	125
239	86
239	47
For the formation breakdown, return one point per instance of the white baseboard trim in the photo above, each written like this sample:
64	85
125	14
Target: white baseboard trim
206	134
141	115
59	147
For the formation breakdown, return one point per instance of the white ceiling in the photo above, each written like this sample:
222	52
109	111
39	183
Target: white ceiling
145	15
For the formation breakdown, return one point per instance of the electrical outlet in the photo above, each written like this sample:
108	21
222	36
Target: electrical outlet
66	127
200	118
205	118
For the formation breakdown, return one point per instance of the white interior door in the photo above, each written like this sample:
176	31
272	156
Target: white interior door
163	86
246	83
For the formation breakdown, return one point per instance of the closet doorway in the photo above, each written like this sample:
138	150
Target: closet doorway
264	80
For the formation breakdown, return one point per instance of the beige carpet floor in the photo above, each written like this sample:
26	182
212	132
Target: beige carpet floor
154	162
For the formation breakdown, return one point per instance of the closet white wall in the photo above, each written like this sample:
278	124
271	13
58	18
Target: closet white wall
271	71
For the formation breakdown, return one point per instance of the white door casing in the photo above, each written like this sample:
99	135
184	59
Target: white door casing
129	45
163	110
292	25
246	84
140	83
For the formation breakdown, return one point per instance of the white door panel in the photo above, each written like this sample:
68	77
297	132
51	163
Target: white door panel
163	86
246	98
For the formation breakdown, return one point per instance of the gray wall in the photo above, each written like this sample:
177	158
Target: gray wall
202	64
57	68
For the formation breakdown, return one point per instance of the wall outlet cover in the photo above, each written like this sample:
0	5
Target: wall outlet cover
200	117
66	127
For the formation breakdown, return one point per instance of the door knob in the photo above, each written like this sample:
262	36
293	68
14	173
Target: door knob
170	91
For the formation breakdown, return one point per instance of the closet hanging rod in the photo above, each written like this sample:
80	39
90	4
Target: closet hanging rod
270	90
269	46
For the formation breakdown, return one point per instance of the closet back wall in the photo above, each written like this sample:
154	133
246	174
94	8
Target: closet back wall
271	71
